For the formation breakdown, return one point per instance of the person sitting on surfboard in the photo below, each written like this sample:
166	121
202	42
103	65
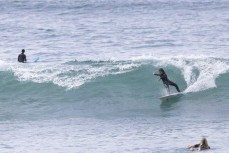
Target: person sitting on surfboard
203	145
165	80
22	57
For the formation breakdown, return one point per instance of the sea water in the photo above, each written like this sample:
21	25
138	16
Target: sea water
93	88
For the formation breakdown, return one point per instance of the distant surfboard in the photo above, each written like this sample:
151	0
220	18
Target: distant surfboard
171	96
36	59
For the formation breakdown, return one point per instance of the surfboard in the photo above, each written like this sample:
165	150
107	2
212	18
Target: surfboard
35	59
171	96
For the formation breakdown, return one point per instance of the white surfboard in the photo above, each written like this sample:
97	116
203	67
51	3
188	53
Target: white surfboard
171	96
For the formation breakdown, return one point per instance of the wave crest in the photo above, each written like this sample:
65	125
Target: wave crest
198	73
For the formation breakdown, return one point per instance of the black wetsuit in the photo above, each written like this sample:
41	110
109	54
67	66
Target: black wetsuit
167	82
22	58
202	147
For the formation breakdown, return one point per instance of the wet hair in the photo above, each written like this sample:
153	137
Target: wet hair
162	70
204	143
23	50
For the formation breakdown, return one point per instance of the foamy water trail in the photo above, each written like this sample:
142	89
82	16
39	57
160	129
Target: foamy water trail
208	70
68	75
199	73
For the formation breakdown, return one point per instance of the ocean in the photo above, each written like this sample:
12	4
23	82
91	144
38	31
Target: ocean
93	88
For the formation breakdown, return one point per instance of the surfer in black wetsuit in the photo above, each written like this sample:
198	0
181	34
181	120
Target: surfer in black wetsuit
165	80
22	57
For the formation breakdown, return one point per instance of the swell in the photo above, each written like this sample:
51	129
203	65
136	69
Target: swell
52	5
102	88
194	74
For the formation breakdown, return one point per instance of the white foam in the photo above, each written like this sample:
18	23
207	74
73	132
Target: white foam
65	75
209	69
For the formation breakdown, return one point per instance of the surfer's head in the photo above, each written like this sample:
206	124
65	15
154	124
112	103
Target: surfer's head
22	50
161	71
204	142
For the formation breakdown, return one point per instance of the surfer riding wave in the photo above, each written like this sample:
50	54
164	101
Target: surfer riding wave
166	81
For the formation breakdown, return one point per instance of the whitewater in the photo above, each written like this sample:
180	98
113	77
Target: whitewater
93	88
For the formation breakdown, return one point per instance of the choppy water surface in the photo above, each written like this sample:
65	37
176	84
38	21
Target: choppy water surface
93	89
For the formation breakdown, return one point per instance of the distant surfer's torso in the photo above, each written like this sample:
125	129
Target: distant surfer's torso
21	58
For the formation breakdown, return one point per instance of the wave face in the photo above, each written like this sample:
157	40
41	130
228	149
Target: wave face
93	88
